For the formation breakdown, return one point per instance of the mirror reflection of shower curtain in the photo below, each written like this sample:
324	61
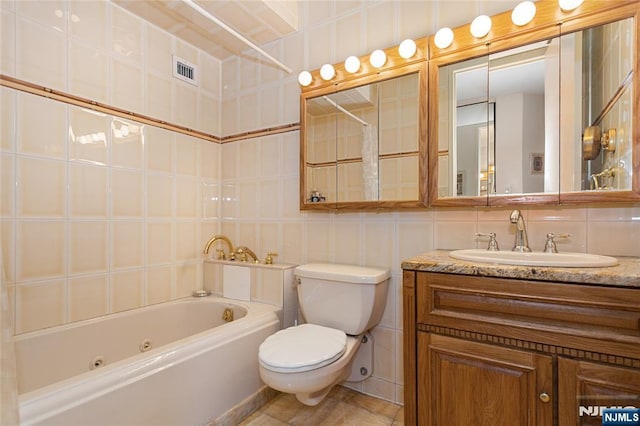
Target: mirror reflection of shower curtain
370	162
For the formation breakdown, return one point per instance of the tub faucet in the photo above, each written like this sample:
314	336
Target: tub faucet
522	242
221	254
242	252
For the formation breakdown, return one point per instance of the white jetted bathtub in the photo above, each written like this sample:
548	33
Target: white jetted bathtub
176	363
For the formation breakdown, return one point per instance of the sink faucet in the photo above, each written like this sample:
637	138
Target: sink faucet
242	253
521	243
219	238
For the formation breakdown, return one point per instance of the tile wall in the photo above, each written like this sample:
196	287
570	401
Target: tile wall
101	214
260	177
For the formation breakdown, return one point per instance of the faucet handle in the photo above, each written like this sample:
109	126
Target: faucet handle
269	259
493	243
241	254
220	254
550	244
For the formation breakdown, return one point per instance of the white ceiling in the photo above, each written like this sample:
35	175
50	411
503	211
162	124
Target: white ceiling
260	21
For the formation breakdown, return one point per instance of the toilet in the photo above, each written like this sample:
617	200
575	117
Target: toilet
339	304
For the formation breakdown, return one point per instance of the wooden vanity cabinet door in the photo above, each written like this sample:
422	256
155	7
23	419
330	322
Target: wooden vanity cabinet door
463	383
588	384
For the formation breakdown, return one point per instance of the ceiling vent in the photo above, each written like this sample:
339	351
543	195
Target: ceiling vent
185	71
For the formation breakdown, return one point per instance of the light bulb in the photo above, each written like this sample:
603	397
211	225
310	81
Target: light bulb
523	13
444	38
569	5
377	58
480	26
304	78
407	48
327	72
352	64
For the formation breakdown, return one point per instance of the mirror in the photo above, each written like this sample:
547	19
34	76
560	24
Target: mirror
597	136
542	118
464	147
362	144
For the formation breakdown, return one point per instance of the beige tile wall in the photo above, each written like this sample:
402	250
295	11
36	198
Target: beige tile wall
101	214
270	218
82	237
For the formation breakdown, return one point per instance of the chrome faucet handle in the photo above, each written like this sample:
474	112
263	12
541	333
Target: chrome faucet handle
550	244
493	243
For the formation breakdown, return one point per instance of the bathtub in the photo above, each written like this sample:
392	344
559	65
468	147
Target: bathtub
173	363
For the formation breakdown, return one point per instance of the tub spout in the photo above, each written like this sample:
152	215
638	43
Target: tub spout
222	255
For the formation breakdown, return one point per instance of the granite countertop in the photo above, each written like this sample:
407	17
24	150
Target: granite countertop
625	274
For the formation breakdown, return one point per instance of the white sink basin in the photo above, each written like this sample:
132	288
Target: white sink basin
563	260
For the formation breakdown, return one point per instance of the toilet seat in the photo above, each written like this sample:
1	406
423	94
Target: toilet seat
302	348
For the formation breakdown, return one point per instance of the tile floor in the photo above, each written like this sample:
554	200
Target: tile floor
342	406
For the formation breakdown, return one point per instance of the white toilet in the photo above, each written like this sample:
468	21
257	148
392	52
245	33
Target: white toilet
339	304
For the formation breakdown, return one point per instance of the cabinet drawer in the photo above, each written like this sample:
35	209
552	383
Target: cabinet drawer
532	310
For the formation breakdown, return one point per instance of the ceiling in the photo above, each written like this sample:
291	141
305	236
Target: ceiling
260	21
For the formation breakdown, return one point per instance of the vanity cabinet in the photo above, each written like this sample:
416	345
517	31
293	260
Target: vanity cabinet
463	382
488	350
584	384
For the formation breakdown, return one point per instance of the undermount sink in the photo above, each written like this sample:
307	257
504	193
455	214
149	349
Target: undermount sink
563	260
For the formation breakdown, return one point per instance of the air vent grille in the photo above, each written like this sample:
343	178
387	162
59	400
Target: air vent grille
184	70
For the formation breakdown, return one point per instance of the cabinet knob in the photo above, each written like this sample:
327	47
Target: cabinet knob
544	397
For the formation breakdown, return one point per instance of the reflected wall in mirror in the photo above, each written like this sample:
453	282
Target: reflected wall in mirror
362	144
544	117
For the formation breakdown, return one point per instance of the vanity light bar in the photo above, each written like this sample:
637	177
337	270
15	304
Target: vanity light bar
409	51
525	17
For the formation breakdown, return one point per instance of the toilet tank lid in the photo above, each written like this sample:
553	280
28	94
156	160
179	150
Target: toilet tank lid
345	273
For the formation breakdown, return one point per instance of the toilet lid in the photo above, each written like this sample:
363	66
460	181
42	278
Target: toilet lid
302	348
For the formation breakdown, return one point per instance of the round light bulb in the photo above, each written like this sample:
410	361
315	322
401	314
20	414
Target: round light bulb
304	78
481	26
327	72
523	13
407	48
352	64
443	38
569	5
377	58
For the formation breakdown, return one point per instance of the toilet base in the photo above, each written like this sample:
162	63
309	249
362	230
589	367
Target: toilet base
314	398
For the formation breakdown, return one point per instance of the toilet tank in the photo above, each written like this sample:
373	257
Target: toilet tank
347	297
